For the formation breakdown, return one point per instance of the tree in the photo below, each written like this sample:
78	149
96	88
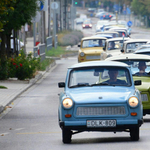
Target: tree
5	7
23	12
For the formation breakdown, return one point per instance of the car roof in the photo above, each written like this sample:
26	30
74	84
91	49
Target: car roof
129	56
117	39
103	35
98	63
92	37
107	32
137	40
142	50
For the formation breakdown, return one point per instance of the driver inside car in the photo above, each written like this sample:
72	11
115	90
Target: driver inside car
141	66
113	78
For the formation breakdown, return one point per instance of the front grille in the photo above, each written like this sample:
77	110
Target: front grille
92	57
96	111
144	97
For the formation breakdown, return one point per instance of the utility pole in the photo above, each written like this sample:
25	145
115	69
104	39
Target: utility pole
49	18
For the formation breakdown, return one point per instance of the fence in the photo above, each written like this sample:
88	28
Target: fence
39	51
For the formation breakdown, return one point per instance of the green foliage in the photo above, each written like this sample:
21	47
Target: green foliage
23	67
66	38
3	69
56	52
3	87
45	63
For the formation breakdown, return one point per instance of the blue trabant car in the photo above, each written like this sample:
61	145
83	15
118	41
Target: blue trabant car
99	96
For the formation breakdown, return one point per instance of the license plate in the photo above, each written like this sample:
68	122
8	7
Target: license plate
101	123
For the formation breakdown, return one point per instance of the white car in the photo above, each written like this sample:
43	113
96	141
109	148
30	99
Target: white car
113	47
100	24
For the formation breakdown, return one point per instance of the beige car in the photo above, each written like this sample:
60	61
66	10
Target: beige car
113	47
132	45
91	48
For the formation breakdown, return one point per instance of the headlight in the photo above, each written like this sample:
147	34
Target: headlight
133	101
90	25
83	25
81	54
67	103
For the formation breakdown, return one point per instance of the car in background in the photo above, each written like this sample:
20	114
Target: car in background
99	14
91	48
79	21
91	10
113	47
100	24
107	16
87	24
112	33
103	35
122	31
89	103
132	45
143	51
134	60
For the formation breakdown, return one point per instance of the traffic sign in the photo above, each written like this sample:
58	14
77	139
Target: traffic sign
129	23
54	5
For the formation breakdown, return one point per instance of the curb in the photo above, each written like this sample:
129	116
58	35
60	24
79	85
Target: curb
31	82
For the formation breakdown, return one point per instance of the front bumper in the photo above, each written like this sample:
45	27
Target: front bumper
81	125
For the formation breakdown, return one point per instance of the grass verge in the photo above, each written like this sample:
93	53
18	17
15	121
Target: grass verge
3	87
58	52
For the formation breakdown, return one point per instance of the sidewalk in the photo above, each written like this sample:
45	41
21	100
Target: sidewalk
15	87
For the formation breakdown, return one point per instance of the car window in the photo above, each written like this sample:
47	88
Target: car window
138	69
115	45
131	47
93	43
99	76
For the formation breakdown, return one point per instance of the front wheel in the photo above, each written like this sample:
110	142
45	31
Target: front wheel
66	136
134	133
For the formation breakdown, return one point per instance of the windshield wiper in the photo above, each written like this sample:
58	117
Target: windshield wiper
79	85
97	84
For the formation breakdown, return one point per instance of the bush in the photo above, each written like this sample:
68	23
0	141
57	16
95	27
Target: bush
66	38
22	67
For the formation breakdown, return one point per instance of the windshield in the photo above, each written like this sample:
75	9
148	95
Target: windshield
115	45
99	76
93	43
131	47
139	67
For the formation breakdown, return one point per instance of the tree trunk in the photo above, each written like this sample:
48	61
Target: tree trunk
8	50
3	47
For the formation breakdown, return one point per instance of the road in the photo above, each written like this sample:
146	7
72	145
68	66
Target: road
32	123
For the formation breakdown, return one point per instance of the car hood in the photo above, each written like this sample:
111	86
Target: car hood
101	94
114	52
95	50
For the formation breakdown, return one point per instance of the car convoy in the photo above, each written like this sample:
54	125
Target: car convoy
109	89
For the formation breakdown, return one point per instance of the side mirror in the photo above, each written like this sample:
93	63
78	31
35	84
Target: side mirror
137	82
61	84
122	51
104	48
79	45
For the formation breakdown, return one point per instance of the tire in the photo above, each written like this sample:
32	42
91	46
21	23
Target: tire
66	136
134	134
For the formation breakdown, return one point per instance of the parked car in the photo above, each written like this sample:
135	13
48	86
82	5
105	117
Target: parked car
99	14
132	45
87	24
140	67
91	101
113	47
91	48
